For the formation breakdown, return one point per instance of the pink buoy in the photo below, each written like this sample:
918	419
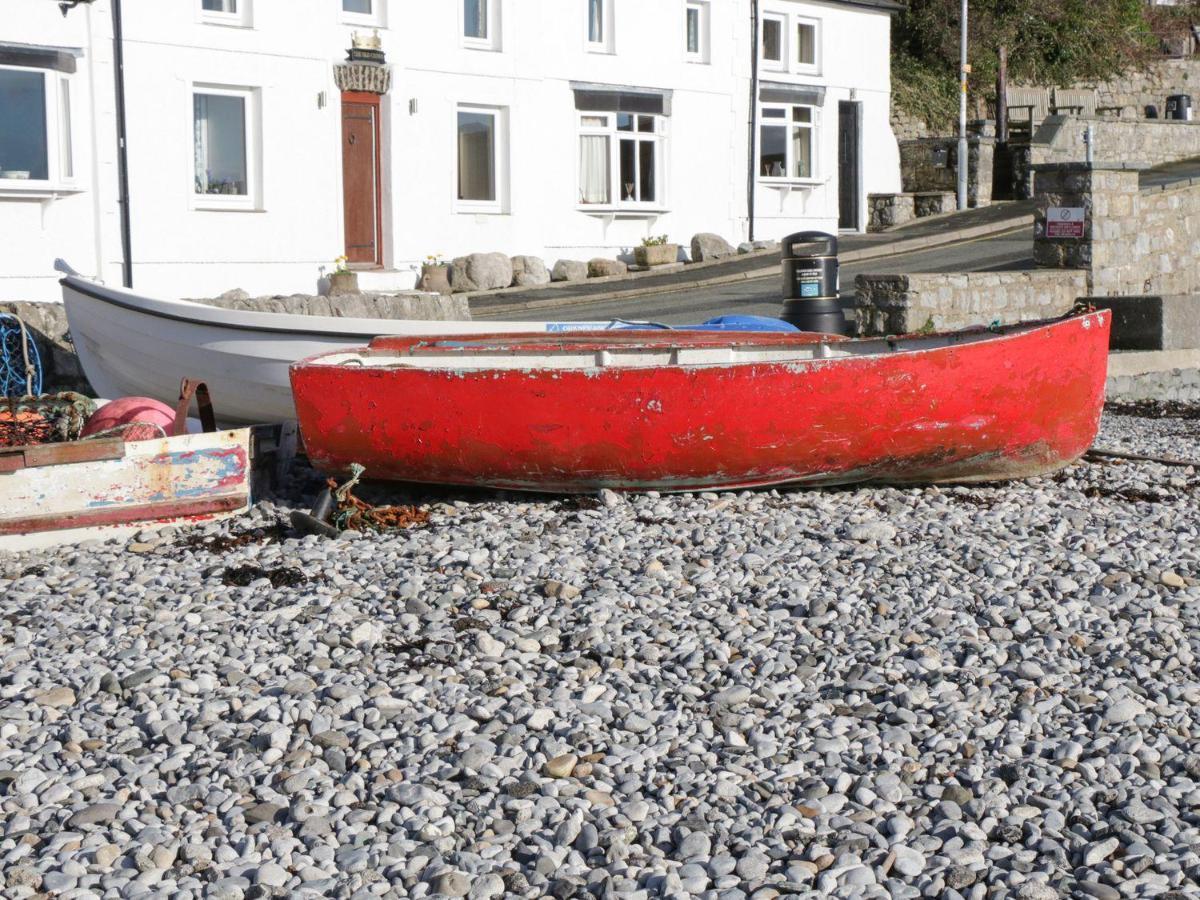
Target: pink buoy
131	411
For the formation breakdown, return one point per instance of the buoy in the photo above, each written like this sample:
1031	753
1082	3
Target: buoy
132	411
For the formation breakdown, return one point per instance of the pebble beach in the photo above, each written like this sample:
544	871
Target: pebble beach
957	692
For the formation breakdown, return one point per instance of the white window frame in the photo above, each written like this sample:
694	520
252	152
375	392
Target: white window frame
251	201
606	43
813	68
499	205
60	137
775	65
703	9
615	186
377	18
814	129
491	40
240	18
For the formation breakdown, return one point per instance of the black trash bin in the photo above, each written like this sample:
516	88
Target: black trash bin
810	283
1179	107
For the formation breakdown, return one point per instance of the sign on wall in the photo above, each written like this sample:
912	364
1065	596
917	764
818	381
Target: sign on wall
1064	222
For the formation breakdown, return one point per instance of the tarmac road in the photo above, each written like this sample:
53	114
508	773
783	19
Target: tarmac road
761	297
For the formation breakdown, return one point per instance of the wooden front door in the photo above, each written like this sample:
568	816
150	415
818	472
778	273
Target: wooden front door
360	177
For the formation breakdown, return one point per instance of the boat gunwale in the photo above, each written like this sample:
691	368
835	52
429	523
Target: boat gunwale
450	345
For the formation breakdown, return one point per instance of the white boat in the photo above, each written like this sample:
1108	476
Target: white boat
132	345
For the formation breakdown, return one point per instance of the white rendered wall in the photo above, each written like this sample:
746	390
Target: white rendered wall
287	56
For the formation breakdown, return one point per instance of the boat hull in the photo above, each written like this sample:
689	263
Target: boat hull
131	345
1009	405
100	489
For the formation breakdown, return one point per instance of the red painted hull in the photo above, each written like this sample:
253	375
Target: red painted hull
1023	401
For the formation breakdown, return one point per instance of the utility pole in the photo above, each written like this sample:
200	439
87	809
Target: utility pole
963	71
1002	98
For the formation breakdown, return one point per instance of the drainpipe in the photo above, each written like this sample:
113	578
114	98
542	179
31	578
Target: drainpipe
122	155
752	166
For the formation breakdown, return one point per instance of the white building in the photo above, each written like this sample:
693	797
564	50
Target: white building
562	128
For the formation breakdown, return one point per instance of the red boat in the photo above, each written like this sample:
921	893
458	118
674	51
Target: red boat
680	411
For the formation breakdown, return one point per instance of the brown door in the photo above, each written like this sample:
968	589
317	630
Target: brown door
360	176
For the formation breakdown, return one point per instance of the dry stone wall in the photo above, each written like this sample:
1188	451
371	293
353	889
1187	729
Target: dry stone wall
897	304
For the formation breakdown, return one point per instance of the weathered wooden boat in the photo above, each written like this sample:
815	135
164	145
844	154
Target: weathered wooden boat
676	411
104	488
133	345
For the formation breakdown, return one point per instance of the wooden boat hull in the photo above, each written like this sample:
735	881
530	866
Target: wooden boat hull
63	493
970	407
131	345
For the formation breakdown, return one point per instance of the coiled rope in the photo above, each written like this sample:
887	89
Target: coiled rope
20	362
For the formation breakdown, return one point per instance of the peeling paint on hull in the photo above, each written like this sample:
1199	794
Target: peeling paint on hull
1022	402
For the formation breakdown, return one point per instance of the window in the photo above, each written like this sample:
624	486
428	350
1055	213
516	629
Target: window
599	25
773	32
35	128
224	143
618	150
807	45
225	12
475	19
362	12
480	24
696	31
479	158
786	147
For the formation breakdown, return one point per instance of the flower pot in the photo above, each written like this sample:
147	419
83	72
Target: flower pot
656	255
343	283
435	279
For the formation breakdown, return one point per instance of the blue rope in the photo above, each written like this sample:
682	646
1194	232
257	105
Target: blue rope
20	363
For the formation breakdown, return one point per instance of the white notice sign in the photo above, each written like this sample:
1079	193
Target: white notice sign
1064	222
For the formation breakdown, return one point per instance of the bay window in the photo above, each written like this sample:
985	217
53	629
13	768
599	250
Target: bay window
619	159
787	148
224	147
35	128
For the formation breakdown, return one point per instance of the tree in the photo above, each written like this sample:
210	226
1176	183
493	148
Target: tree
1050	42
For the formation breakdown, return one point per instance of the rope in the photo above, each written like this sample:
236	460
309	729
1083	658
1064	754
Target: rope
1097	453
20	362
356	514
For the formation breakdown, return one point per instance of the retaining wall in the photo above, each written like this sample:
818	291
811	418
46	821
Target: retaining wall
1134	242
896	304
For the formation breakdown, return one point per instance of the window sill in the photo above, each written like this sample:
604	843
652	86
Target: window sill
227	23
697	61
623	212
202	206
789	184
486	48
480	210
10	191
601	49
364	22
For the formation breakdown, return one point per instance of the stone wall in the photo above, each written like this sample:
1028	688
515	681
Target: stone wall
1145	142
1149	86
908	127
922	169
896	304
1134	242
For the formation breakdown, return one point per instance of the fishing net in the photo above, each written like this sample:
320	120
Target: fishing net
350	512
20	363
44	419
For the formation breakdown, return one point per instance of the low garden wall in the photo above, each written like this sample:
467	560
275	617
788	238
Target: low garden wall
897	304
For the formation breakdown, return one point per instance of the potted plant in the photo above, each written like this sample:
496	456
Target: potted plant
655	251
341	279
435	275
